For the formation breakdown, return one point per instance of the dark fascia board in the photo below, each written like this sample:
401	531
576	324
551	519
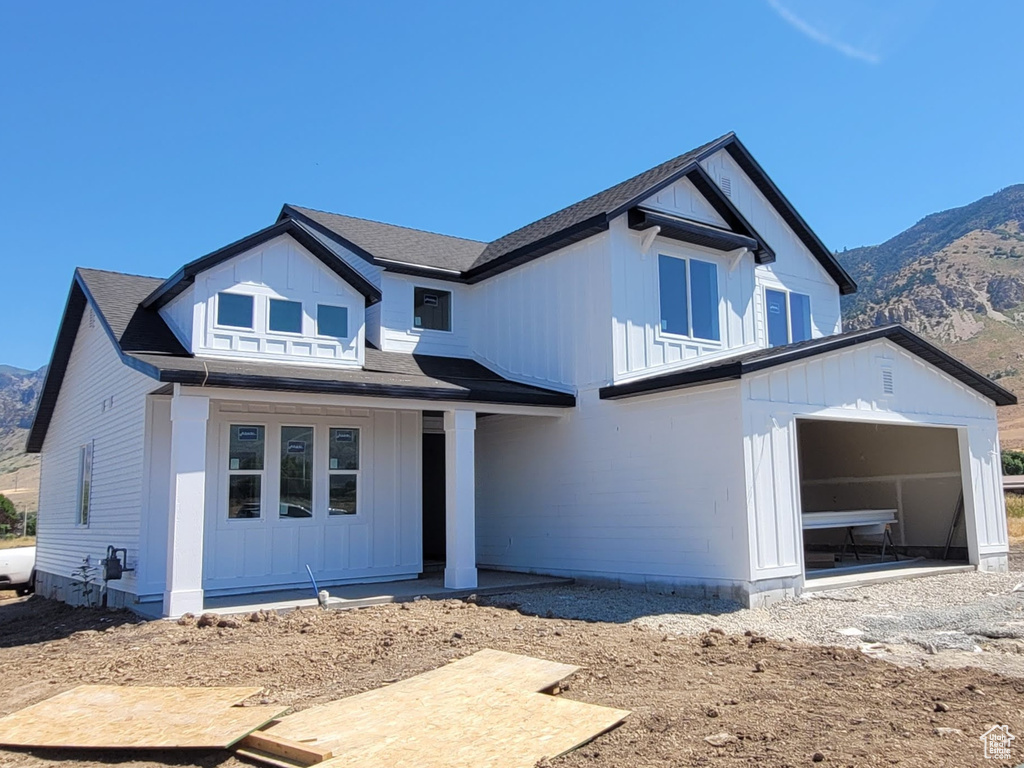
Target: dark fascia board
736	368
79	297
796	222
730	214
416	270
185	276
565	237
688	231
285	384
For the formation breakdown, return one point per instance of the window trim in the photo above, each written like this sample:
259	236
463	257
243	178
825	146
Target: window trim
358	472
302	318
86	455
451	310
229	473
216	312
669	335
316	323
789	311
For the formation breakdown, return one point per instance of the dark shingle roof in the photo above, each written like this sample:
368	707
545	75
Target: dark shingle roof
145	343
736	366
600	205
473	261
387	241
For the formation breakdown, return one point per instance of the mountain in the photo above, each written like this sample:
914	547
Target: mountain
957	278
19	472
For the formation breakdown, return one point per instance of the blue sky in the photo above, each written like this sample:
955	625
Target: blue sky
138	136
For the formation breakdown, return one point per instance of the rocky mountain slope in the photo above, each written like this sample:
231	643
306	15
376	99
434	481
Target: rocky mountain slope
19	472
957	278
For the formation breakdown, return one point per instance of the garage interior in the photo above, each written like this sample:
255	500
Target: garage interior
879	496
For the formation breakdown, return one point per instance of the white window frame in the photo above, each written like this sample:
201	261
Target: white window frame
216	312
246	472
789	311
451	310
689	299
348	322
83	506
357	472
302	318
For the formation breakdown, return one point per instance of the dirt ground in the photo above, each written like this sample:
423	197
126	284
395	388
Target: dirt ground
850	709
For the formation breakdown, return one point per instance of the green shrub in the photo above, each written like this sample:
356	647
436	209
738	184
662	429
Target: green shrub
1013	462
10	520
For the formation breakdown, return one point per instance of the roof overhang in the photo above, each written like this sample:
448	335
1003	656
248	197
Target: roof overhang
185	276
733	368
689	231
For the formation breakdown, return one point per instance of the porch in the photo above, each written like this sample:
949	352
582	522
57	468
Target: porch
430	586
261	485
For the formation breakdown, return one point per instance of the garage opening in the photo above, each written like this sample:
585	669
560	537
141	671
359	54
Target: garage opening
879	496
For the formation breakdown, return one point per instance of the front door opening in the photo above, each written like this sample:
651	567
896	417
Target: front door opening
433	501
878	495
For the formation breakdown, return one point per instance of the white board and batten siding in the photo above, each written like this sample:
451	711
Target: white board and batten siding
381	542
103	402
645	490
277	269
398	332
641	348
852	385
794	268
546	322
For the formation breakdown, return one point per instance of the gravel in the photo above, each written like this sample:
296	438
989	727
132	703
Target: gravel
955	612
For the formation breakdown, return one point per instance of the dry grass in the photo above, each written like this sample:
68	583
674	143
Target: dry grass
24	541
1015	515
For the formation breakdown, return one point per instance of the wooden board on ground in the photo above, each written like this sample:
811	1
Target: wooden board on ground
120	717
481	710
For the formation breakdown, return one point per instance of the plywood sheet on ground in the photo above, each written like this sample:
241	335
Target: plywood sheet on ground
482	710
114	717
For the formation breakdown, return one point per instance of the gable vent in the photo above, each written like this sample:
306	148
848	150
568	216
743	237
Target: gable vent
887	381
726	183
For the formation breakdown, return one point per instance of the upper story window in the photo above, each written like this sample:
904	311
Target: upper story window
432	309
688	293
234	310
332	321
285	316
789	317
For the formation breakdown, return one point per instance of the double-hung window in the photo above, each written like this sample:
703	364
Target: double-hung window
343	471
246	455
84	483
789	316
688	296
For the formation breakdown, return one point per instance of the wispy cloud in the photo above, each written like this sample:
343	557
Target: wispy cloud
822	37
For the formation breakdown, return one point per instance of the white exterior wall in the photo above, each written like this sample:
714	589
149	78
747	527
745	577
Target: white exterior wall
381	542
547	322
277	269
641	348
847	385
102	401
794	268
683	199
397	332
645	491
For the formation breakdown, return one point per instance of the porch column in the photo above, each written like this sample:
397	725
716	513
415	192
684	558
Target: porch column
184	590
460	499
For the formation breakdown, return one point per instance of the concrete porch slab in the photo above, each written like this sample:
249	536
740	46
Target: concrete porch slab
877	573
430	586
